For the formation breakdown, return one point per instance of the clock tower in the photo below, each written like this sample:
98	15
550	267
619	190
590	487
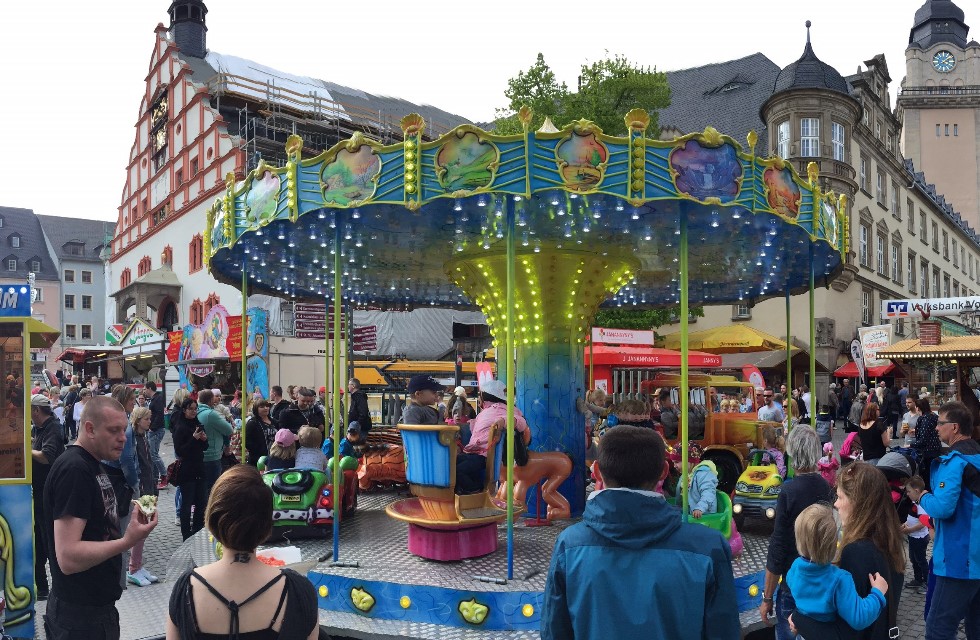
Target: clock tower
939	105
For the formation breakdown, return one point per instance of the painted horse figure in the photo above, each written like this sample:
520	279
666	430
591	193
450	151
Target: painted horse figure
554	467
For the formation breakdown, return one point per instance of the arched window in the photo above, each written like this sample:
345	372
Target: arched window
125	278
196	254
212	301
144	267
197	312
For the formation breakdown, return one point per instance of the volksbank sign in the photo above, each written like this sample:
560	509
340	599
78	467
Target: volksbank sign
923	309
15	301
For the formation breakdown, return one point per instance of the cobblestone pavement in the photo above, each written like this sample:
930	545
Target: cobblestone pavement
143	610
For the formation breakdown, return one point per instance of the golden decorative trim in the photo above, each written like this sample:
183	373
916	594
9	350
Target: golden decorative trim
637	120
524	115
812	173
752	138
412	125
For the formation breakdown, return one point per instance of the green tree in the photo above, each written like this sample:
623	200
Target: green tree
644	319
608	88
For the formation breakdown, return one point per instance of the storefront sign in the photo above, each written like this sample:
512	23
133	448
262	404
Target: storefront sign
114	334
200	370
15	301
922	309
140	333
602	335
873	340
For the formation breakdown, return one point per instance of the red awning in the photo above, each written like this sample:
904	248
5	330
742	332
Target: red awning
75	356
850	370
641	357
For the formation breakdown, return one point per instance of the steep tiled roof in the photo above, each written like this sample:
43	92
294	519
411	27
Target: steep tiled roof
725	95
25	225
62	230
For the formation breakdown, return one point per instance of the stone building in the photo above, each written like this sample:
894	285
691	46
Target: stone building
907	240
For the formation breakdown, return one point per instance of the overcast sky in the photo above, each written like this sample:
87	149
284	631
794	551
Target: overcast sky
73	70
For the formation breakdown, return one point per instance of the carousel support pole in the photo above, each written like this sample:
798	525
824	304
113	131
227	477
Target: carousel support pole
685	392
813	353
338	503
509	346
591	363
245	392
789	352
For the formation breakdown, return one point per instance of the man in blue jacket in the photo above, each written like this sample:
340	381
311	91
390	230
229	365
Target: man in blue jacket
632	568
954	505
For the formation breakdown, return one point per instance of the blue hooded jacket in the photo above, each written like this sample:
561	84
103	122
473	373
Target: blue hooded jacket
956	511
632	569
702	493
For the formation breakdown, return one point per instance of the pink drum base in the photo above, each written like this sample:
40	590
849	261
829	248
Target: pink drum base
449	545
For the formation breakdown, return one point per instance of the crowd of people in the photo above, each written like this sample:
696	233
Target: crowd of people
836	558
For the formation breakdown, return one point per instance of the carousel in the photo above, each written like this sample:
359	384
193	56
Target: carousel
537	231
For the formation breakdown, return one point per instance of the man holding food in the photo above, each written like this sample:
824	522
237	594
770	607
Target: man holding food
82	529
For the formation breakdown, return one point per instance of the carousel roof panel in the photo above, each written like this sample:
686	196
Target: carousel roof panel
406	216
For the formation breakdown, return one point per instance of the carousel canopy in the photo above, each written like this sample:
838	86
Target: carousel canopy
596	218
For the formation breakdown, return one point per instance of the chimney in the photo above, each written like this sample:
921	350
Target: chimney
187	27
930	332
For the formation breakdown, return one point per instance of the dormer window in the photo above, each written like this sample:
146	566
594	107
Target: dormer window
35	265
74	248
15	241
1	222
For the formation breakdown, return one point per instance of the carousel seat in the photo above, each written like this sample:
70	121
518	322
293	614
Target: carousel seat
443	525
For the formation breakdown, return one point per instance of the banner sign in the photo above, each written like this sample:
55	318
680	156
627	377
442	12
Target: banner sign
233	343
858	358
601	335
873	340
751	373
173	345
922	309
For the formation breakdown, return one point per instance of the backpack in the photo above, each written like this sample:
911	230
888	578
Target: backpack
69	414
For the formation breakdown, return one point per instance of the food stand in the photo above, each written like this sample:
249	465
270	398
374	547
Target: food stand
19	333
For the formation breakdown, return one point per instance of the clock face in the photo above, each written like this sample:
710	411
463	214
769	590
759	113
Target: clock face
943	61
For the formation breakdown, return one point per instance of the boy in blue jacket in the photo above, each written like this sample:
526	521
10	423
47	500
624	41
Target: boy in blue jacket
631	568
702	496
821	590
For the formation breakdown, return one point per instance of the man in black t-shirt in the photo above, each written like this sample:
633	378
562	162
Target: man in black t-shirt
303	413
47	444
279	404
82	529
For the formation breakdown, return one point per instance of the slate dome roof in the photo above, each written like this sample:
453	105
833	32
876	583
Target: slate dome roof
809	72
938	10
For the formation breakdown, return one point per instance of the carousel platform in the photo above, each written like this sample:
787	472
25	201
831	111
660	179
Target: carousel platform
379	590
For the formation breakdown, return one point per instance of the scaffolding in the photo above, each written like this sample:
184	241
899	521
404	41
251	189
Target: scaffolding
268	114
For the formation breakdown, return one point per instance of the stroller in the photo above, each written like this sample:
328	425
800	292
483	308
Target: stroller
898	468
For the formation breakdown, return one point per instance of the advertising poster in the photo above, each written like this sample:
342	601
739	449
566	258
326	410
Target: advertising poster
874	339
17	560
257	365
13	440
220	336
